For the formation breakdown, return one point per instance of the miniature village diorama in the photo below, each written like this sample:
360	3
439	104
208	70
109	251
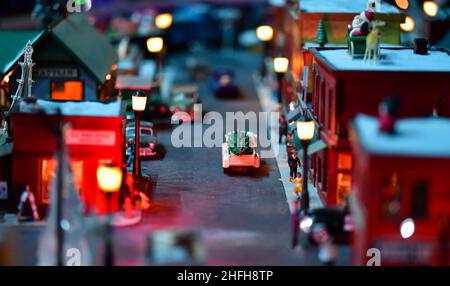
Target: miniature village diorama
363	127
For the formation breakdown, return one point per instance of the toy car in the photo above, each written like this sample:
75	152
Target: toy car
239	151
222	83
148	140
184	99
333	221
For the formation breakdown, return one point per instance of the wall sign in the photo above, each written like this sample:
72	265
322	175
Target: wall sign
90	137
3	190
56	73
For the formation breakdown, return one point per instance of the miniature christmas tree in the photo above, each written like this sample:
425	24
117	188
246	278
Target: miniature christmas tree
321	37
239	143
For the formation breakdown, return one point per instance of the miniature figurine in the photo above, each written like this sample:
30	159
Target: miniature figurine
362	24
27	209
283	129
293	163
373	42
388	112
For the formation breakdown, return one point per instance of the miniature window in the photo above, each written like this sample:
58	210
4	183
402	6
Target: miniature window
419	199
391	198
67	90
48	167
330	109
344	161
344	180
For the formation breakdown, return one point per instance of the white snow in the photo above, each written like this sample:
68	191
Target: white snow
415	137
391	60
82	108
342	6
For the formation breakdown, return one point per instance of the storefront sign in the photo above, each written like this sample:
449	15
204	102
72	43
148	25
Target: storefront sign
3	191
56	73
90	137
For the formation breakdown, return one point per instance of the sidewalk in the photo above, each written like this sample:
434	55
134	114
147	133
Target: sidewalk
268	105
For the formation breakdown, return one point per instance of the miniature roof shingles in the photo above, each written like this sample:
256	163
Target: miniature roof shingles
76	34
415	137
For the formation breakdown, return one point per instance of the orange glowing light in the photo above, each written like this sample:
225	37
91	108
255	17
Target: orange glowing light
402	4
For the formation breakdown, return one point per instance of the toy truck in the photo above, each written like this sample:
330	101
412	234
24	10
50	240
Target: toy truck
239	151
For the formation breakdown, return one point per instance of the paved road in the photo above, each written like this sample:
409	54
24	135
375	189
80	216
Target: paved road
244	219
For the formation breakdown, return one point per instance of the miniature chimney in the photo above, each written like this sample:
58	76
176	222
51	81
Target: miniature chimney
420	46
388	113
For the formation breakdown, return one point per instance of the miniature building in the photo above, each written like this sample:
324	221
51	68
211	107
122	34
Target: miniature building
73	60
95	137
343	87
401	191
301	28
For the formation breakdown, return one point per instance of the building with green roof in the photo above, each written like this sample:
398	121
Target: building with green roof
73	61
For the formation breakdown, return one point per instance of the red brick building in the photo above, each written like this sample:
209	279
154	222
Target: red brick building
343	87
91	140
401	191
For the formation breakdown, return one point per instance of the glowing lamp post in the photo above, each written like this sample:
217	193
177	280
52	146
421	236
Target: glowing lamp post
430	8
155	46
280	65
139	102
305	132
163	21
265	35
109	178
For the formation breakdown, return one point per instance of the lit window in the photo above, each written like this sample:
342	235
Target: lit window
49	173
67	90
344	181
344	161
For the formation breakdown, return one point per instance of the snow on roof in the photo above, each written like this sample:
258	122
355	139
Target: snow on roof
342	6
391	60
82	108
415	137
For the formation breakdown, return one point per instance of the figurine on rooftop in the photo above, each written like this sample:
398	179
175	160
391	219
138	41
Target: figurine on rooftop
388	113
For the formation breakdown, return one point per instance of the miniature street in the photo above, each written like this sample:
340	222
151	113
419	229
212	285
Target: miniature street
225	133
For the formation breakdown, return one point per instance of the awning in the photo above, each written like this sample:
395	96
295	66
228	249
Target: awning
294	115
316	147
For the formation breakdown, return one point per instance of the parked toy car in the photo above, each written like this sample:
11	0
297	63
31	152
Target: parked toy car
240	151
222	83
333	221
148	139
184	99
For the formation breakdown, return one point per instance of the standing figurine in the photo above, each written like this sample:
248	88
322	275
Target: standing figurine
283	129
293	163
373	42
27	209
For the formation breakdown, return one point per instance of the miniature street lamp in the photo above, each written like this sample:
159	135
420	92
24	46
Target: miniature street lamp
139	102
163	21
109	178
155	46
305	132
280	65
408	25
265	35
430	8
